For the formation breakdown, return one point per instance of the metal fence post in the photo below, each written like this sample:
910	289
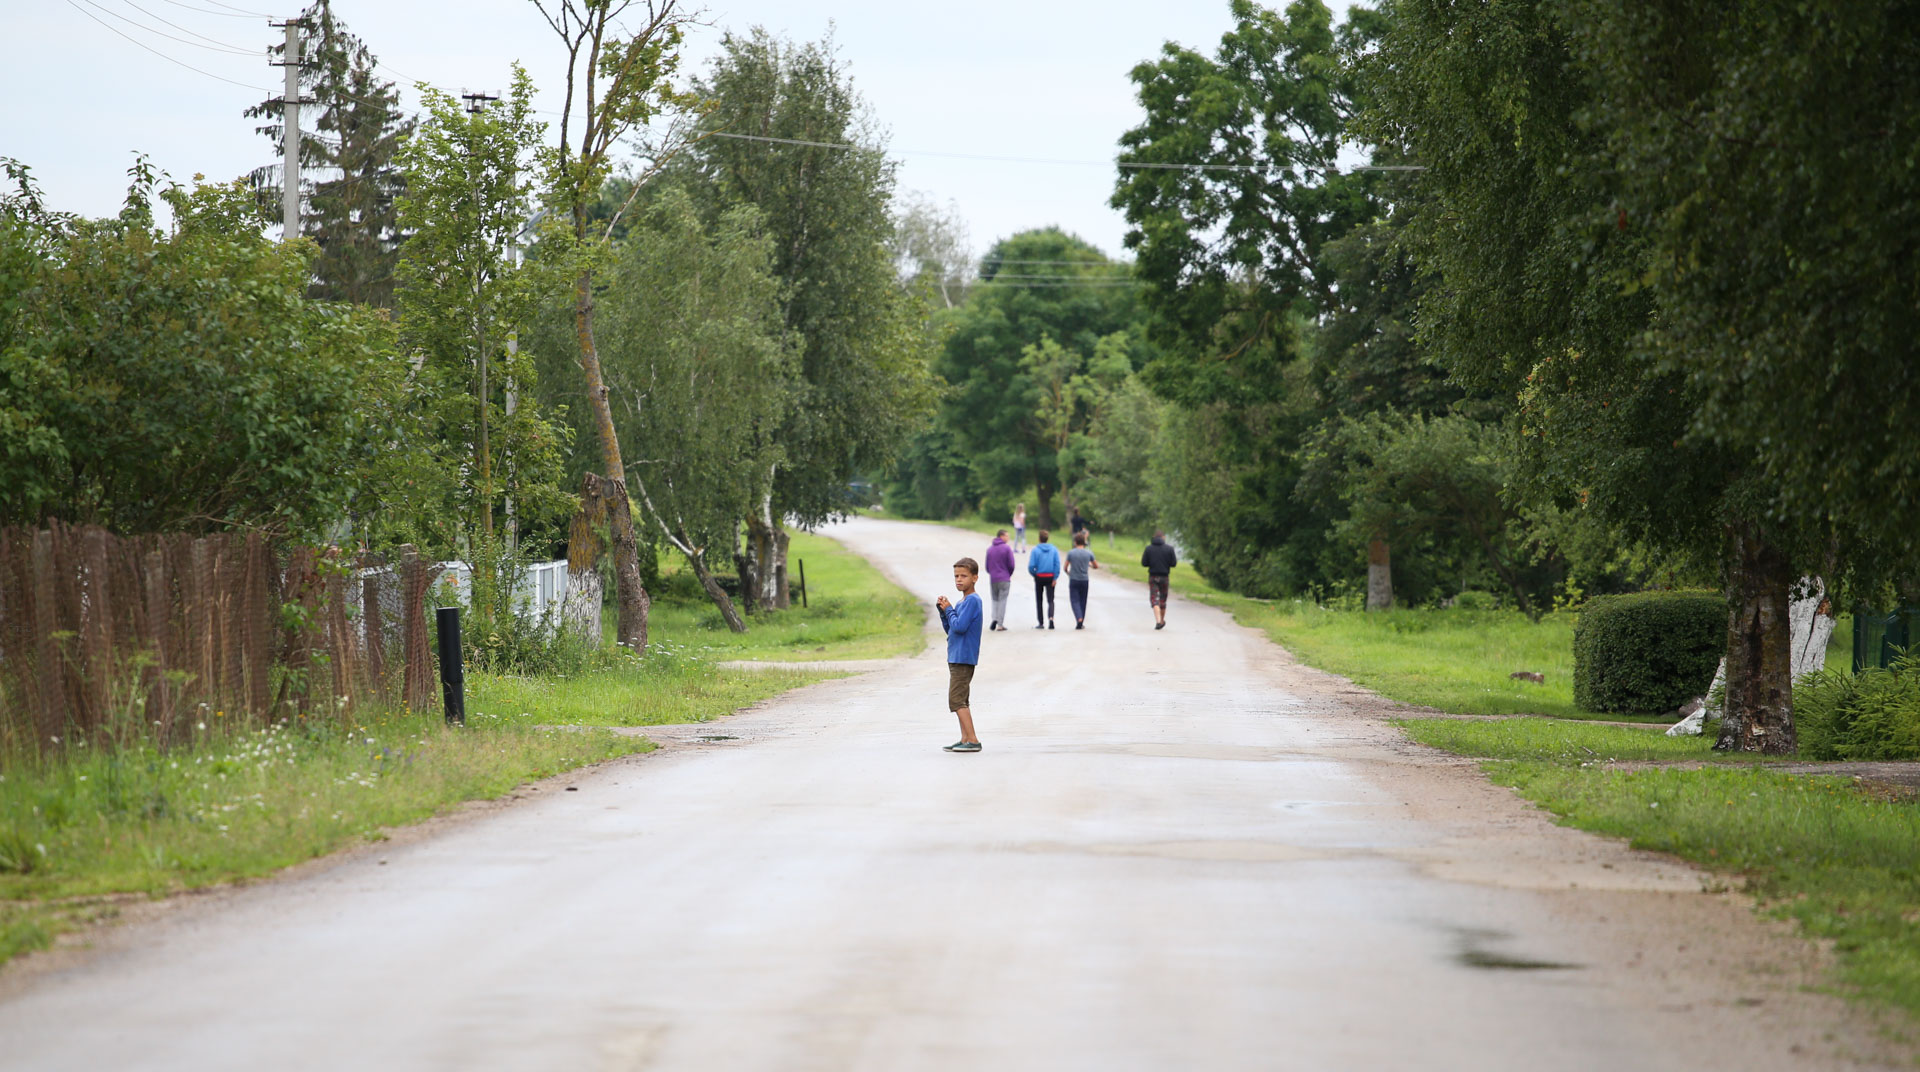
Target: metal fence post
453	679
803	582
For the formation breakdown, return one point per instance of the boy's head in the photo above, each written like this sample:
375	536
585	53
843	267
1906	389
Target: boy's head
965	573
1079	539
1043	535
1000	535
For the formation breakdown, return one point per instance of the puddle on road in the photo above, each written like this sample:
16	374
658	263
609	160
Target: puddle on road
715	737
1473	953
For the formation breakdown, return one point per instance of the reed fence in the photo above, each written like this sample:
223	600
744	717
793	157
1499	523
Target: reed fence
101	633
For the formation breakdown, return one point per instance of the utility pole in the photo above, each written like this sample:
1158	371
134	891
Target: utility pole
290	134
477	103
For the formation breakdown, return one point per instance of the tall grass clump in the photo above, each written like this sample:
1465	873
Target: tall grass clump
132	815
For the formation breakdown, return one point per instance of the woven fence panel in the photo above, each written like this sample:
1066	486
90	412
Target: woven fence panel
156	635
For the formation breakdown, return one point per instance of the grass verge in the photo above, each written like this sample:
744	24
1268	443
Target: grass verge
101	823
1842	861
672	684
83	832
853	612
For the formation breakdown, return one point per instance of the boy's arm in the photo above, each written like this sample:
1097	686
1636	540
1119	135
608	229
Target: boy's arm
946	618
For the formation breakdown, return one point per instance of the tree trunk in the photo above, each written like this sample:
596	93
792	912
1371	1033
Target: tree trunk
1813	619
782	597
630	596
1379	574
1759	708
1045	494
766	546
743	568
604	497
714	591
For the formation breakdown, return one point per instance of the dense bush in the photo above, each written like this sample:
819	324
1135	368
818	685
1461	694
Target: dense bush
1874	714
1647	652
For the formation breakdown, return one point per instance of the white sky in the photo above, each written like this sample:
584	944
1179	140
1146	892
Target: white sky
1039	79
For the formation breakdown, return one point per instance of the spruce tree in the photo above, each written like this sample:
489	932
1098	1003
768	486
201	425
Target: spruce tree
351	132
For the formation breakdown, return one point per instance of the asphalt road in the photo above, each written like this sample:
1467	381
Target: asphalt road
1177	851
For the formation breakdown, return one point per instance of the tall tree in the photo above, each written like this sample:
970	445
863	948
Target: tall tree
618	81
1237	205
864	380
1547	295
352	146
700	370
1036	285
930	247
470	178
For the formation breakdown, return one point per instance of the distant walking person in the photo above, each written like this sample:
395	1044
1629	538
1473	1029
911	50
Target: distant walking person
962	624
1019	527
1080	564
1079	524
1000	578
1159	560
1043	563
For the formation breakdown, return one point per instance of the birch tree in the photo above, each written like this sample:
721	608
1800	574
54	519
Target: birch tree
699	372
618	80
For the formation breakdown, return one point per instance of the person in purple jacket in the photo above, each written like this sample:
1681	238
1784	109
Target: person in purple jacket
1000	577
962	623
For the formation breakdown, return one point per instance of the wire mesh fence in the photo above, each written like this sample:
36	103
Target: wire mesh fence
102	633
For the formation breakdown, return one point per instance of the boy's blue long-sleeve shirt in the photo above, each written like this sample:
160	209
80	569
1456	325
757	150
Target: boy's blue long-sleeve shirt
962	623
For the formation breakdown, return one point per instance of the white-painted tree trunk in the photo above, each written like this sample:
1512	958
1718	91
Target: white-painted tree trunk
1811	618
1379	575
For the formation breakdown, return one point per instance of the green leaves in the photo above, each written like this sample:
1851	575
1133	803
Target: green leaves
163	381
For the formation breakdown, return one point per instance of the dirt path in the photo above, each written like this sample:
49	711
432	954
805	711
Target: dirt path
1179	850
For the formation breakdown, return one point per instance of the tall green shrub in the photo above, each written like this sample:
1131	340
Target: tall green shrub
1647	652
1874	714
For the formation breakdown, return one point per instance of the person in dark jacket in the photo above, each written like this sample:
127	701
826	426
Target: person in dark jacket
1159	560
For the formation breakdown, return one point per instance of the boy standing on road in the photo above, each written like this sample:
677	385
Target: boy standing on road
962	624
1159	560
999	578
1043	562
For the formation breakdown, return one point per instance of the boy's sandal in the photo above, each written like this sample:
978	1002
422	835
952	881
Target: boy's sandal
962	746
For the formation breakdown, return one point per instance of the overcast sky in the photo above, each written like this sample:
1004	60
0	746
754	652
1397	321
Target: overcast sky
1039	80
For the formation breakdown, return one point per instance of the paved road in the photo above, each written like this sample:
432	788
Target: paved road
1176	852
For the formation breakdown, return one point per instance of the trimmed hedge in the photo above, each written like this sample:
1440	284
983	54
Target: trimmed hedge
1647	652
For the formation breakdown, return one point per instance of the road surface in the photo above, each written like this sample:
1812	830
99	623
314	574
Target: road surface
1178	851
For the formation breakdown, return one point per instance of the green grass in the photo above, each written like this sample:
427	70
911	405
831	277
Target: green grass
1559	741
853	612
100	822
1843	862
671	685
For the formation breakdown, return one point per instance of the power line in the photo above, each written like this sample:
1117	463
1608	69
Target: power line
162	55
236	48
210	11
1075	264
243	11
848	146
162	33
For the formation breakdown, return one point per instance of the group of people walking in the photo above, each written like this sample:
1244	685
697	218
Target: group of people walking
965	621
1044	565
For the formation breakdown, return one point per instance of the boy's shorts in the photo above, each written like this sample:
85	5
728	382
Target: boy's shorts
959	685
1156	590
